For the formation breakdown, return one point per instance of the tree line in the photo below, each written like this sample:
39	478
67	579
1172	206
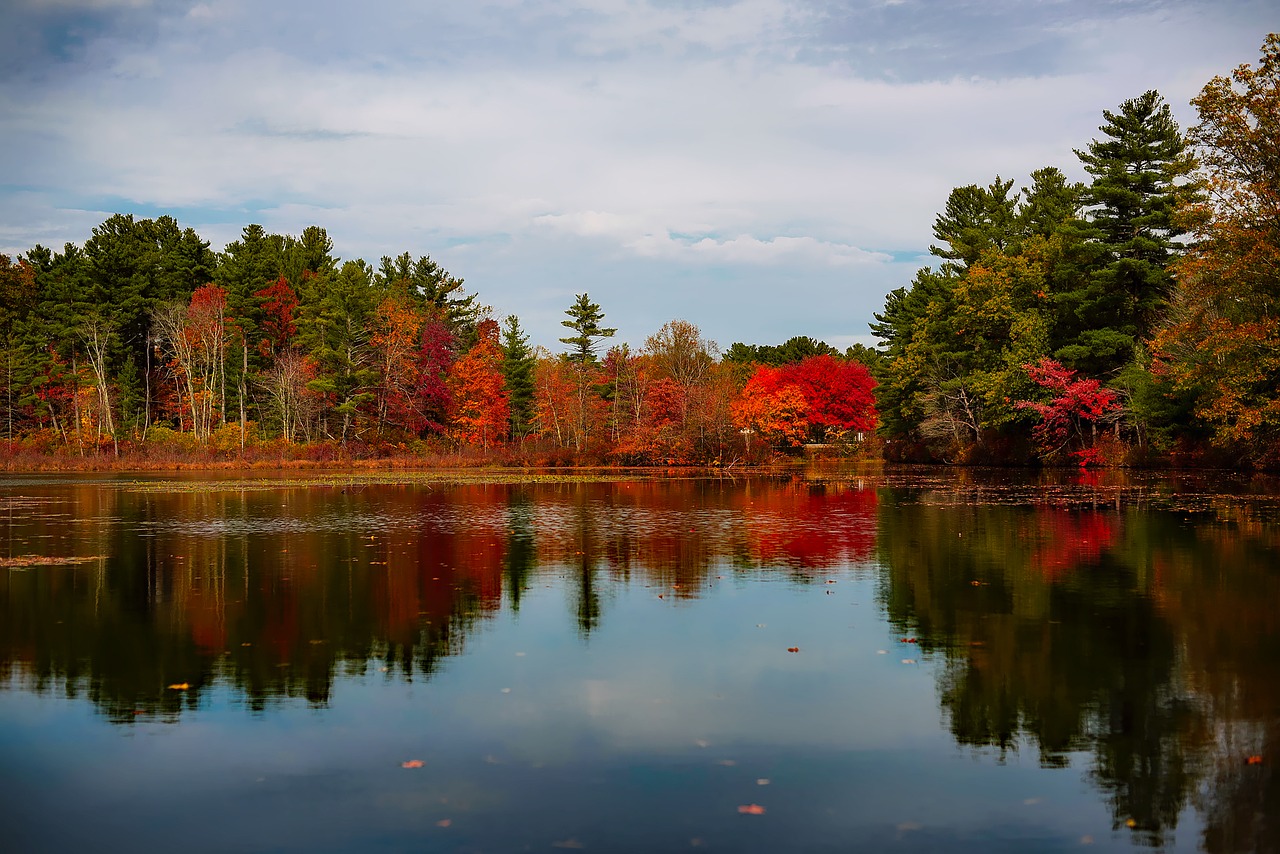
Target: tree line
1131	318
145	340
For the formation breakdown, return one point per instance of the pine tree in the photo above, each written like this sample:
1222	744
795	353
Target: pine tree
585	317
517	369
1139	174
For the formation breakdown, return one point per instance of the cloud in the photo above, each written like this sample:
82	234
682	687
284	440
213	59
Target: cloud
652	150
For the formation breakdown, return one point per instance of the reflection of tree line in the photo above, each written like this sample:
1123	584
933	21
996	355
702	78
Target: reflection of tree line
277	592
1146	642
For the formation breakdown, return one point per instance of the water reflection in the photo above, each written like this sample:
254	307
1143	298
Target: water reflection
1147	639
1121	626
277	592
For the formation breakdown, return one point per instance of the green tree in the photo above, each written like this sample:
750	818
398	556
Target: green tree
428	284
518	361
1139	171
584	319
333	329
975	220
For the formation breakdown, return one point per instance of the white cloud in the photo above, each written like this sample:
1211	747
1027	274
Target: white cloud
543	147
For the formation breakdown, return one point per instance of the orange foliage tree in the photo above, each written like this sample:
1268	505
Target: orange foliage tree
480	410
771	408
1223	341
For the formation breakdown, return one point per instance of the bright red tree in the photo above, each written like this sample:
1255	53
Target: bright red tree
1075	404
839	394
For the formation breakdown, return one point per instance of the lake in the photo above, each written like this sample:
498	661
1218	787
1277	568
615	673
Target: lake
827	660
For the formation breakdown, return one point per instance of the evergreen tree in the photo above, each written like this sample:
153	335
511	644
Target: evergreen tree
333	329
1139	170
429	285
517	370
976	219
584	319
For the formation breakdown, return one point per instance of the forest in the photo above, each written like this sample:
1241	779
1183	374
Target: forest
1129	320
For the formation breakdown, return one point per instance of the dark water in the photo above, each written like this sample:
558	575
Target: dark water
986	662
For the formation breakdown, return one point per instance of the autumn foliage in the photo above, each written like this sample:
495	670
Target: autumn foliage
818	399
1070	417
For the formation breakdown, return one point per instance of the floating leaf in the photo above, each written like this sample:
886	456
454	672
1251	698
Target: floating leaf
1254	760
793	649
751	809
412	763
444	822
763	781
179	686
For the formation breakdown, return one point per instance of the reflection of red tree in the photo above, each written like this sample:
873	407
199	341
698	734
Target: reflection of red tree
1067	540
812	527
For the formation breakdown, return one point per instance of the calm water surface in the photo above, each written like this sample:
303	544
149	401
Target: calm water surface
898	661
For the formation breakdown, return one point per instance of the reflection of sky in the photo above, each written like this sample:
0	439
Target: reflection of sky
644	736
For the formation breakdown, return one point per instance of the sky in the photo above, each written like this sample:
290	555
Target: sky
759	168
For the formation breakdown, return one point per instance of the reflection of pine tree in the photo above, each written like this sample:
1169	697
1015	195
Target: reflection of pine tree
1051	641
522	552
586	596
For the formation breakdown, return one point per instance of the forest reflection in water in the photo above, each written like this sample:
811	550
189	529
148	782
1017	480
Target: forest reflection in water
1121	625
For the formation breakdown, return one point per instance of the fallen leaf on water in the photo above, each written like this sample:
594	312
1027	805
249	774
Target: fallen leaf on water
763	781
506	690
444	822
793	649
412	763
1131	823
751	809
1031	801
908	661
908	640
1086	840
728	763
179	686
882	652
1254	760
909	825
